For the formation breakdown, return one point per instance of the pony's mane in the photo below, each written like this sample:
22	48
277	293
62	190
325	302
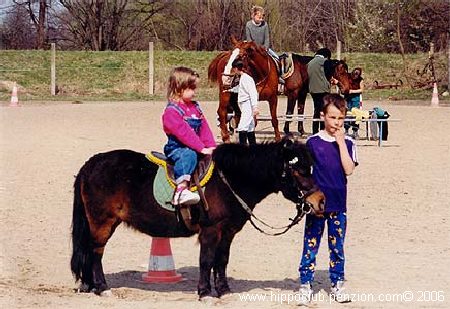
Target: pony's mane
260	162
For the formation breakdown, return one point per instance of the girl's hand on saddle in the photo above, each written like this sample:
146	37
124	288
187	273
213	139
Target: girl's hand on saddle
255	111
208	151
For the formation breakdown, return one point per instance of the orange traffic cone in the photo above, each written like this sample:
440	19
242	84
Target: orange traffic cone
14	97
161	267
435	97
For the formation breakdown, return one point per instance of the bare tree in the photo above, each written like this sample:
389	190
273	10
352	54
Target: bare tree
38	20
107	25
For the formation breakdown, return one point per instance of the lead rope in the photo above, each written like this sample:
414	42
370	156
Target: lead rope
244	205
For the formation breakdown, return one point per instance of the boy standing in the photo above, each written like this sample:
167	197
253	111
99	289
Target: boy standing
334	159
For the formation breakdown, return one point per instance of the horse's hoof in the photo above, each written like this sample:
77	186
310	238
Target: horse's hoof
83	288
208	300
225	294
106	293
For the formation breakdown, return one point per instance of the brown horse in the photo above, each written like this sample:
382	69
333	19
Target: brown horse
263	70
297	86
117	186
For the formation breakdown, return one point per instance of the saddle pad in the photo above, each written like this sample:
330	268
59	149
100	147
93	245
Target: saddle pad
162	190
289	68
205	170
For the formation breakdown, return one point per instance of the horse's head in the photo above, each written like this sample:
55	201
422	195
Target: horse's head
253	55
297	182
340	72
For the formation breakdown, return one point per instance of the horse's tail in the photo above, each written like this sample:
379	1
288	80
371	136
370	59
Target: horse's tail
81	255
213	74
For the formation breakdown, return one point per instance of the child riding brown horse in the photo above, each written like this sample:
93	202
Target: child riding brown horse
117	186
264	71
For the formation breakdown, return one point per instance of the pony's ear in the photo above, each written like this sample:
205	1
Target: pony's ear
288	140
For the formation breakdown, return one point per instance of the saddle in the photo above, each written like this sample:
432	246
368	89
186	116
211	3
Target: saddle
164	188
203	171
284	64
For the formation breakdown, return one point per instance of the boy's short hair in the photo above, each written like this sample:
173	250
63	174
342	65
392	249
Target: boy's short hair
336	100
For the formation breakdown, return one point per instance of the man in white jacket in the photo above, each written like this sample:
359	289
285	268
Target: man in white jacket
248	103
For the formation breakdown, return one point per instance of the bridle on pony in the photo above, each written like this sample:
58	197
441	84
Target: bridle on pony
303	207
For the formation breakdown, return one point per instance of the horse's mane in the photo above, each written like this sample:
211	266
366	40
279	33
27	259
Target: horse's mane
255	163
261	164
302	59
212	68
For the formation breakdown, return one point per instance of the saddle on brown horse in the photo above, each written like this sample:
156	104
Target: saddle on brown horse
201	176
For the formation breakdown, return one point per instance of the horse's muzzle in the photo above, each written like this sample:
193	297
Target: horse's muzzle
317	202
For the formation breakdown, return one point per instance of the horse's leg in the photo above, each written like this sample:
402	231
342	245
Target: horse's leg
221	262
209	238
273	102
100	234
222	112
301	109
289	110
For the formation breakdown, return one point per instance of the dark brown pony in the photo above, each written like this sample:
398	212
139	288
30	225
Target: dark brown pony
297	86
117	186
263	70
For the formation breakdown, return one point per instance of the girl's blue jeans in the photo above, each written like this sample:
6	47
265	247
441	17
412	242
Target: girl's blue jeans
314	227
185	161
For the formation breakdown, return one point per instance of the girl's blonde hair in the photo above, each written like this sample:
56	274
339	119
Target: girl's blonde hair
181	78
256	9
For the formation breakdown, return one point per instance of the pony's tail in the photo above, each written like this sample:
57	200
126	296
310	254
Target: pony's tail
81	254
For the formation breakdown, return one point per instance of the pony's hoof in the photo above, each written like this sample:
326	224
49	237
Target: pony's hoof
208	300
83	288
106	293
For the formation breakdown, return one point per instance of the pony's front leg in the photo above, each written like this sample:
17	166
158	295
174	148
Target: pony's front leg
221	263
208	244
273	102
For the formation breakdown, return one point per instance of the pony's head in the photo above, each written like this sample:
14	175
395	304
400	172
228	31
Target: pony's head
340	72
297	182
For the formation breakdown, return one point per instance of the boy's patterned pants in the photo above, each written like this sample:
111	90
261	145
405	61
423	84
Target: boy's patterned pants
314	227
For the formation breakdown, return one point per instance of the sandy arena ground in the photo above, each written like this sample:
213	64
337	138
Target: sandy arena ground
398	241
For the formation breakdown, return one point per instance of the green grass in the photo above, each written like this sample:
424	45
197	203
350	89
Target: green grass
86	75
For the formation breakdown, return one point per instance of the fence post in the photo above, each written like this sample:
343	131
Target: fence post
338	50
53	70
150	69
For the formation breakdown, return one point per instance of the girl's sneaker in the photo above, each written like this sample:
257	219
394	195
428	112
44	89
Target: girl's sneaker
185	197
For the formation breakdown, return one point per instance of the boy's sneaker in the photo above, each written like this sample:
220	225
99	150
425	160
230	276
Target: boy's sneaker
185	197
305	293
339	294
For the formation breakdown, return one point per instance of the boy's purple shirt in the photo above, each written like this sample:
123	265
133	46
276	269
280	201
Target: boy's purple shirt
174	124
328	172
